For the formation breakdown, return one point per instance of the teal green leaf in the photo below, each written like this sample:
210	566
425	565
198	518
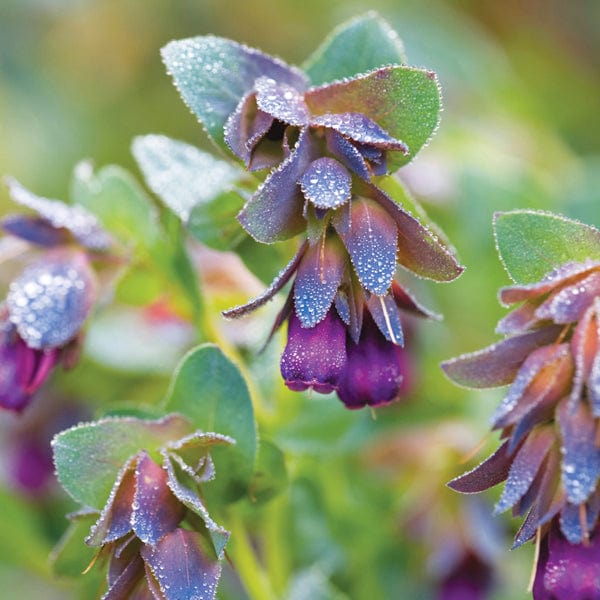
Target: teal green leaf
404	101
212	74
210	390
184	177
118	201
270	475
532	243
357	46
88	457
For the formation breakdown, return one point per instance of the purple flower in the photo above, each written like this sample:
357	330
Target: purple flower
49	301
470	579
375	372
567	571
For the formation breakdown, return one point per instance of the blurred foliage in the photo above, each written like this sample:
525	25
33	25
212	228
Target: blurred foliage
80	78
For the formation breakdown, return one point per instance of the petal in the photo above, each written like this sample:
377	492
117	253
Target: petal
314	357
281	101
547	370
125	584
499	363
520	319
571	521
156	511
181	567
282	278
584	347
407	302
374	373
319	276
525	467
386	315
76	219
487	474
360	128
326	183
371	243
275	211
245	127
419	250
35	230
569	304
347	153
49	302
557	277
581	455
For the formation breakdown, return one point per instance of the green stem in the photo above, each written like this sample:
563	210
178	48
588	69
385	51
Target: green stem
249	570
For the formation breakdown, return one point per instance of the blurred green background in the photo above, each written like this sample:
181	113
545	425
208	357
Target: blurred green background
520	128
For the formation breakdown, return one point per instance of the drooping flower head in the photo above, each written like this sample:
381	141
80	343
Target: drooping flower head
550	457
328	139
49	301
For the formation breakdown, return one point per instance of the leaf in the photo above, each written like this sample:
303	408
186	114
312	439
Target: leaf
209	389
533	243
371	241
403	101
362	44
118	201
270	476
186	178
212	74
88	457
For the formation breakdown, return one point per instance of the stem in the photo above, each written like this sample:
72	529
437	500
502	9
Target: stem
249	570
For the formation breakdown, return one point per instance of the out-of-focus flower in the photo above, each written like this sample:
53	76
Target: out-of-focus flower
49	301
567	571
550	457
461	540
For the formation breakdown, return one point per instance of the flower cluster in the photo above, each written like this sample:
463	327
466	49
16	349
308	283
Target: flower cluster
50	299
326	146
550	457
155	529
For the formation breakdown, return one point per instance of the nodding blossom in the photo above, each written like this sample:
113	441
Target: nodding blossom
550	456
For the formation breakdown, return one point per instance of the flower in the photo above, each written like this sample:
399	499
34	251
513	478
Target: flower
49	301
549	417
567	571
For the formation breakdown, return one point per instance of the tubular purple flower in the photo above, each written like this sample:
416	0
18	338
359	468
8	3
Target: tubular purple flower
567	571
314	357
375	370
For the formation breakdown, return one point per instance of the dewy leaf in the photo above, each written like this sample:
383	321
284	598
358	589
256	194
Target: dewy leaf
533	243
88	457
209	389
212	74
362	44
275	211
180	174
182	568
403	101
371	242
76	219
118	201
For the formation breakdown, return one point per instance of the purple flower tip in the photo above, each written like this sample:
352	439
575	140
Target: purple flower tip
471	579
22	369
314	357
